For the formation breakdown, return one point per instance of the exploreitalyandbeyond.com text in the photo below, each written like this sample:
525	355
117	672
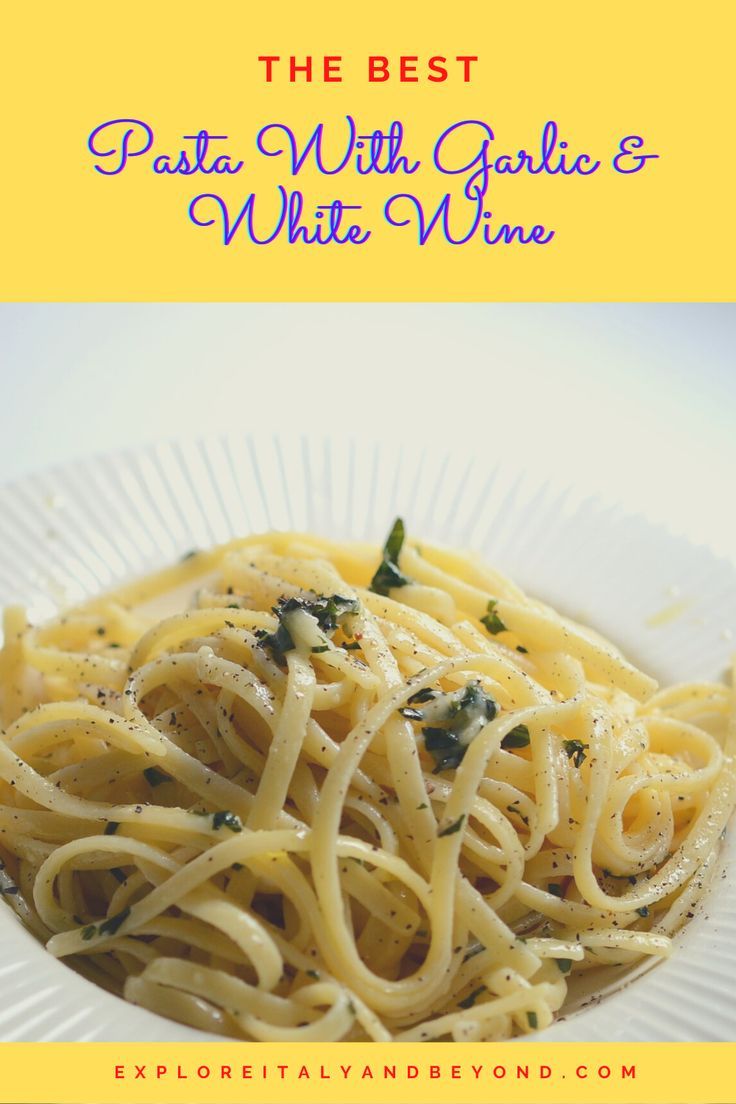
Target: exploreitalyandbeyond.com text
370	1071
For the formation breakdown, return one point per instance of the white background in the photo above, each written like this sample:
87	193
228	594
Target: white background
635	403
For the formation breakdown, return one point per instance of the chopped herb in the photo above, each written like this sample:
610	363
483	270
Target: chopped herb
232	605
424	695
522	649
411	714
225	819
328	612
515	809
351	645
320	649
114	644
476	950
88	932
555	889
111	925
188	555
101	630
278	643
156	777
467	711
237	866
313	974
474	699
492	621
630	878
564	965
451	829
111	827
575	750
389	575
445	747
532	1018
517	738
119	874
352	1009
470	1000
424	805
643	911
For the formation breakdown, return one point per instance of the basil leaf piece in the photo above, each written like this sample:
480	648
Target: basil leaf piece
517	738
226	819
389	575
111	925
492	621
451	829
156	777
470	1000
328	612
575	750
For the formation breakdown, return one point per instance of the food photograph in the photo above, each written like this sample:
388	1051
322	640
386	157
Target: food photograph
367	673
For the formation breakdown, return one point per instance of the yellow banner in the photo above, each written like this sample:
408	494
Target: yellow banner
167	151
272	1073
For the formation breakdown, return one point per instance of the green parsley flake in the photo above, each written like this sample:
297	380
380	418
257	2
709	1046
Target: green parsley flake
155	777
225	819
470	1000
111	925
389	575
575	750
492	621
517	738
451	829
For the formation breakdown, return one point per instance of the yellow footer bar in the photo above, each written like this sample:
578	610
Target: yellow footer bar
353	1073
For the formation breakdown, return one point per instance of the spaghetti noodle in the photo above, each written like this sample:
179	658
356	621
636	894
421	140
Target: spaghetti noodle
347	794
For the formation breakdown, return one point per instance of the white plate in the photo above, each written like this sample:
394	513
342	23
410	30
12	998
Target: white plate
78	530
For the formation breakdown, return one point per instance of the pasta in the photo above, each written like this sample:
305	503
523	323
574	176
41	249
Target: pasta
337	793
